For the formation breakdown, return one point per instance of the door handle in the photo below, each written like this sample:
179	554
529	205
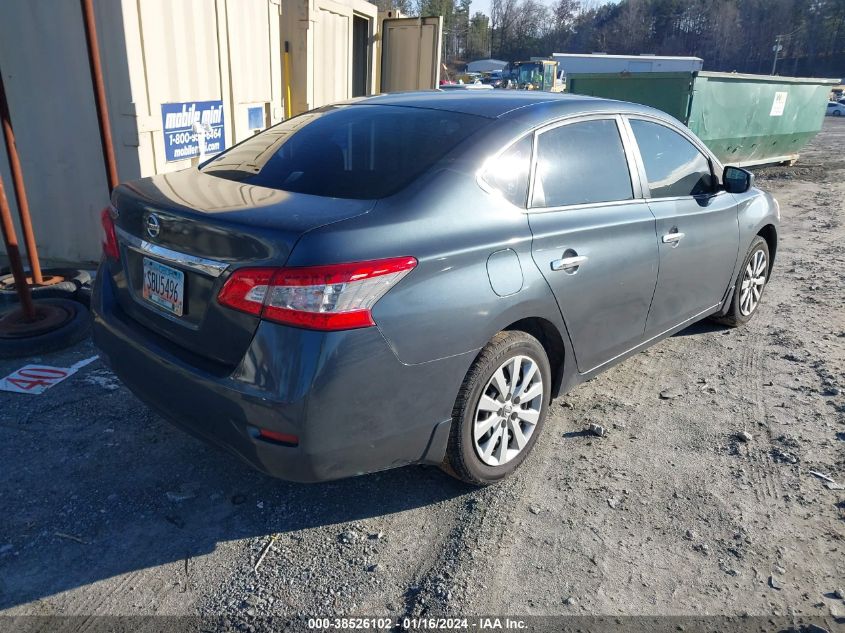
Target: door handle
673	238
568	263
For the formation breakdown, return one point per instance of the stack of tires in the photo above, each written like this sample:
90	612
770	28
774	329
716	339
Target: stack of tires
67	289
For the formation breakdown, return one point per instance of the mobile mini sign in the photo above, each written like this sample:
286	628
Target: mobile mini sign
191	125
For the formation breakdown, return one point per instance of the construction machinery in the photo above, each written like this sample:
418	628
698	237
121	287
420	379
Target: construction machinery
536	75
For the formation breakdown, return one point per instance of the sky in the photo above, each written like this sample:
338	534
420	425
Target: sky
484	5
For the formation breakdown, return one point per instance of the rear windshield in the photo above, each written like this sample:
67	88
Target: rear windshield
359	151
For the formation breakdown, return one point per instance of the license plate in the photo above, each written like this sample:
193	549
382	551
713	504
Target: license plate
164	286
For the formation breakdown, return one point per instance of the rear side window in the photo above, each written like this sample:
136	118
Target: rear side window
360	151
673	165
581	163
508	173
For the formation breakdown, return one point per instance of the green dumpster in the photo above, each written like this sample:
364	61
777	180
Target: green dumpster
743	119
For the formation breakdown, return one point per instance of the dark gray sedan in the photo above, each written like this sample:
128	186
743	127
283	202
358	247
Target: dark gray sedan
412	278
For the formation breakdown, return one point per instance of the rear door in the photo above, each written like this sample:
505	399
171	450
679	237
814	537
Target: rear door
697	224
410	53
594	236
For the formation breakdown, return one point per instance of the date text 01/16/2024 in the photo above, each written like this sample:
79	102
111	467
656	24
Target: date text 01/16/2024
417	624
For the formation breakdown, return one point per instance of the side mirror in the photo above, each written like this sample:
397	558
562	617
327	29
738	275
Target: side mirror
737	180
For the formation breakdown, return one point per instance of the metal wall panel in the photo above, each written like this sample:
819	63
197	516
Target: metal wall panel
181	62
180	50
157	52
48	85
249	50
332	63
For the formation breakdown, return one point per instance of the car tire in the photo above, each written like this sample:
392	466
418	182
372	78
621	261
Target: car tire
66	289
837	113
465	458
75	328
742	308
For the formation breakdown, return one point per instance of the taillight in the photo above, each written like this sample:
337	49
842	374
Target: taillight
334	297
109	235
246	288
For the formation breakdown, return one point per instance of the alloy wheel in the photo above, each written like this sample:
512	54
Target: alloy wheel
508	411
753	281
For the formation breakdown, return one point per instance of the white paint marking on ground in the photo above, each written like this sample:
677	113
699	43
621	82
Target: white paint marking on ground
36	379
103	378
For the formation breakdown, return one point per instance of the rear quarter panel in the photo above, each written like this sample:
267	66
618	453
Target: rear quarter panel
446	306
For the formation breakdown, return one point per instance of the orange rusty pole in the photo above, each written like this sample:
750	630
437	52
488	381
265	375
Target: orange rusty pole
99	92
20	191
12	250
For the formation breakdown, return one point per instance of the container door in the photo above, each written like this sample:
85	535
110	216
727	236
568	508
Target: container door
410	53
594	238
332	68
697	226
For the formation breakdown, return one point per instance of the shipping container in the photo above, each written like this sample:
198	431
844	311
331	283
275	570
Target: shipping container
168	66
602	63
743	119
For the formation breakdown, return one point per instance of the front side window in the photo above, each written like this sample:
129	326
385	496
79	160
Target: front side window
581	163
357	151
674	166
508	172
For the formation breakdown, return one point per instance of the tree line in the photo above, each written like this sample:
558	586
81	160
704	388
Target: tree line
729	35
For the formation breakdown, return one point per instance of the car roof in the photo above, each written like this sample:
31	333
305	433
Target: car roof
495	104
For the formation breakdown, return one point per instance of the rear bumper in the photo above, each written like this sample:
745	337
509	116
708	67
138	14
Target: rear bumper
354	407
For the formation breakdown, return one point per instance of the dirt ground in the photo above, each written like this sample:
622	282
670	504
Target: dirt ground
107	510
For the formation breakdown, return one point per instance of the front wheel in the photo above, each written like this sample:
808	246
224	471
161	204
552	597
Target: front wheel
750	283
500	409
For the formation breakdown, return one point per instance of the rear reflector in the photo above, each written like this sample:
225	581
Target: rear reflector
274	436
335	297
110	248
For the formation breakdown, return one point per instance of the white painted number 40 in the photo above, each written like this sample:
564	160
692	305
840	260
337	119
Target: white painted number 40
36	379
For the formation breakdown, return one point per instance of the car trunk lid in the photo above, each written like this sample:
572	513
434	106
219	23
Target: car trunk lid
193	229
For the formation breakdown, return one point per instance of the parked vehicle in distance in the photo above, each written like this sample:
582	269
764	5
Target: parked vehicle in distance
475	86
539	75
493	78
835	109
412	278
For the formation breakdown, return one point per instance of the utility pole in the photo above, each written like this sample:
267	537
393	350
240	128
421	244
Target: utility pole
777	48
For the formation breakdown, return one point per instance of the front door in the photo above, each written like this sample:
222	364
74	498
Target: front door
594	241
697	226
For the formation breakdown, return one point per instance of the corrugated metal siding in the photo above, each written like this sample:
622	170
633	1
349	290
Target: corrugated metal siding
180	50
332	52
48	86
249	51
153	52
156	52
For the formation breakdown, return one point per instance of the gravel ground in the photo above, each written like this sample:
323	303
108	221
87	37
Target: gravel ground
107	510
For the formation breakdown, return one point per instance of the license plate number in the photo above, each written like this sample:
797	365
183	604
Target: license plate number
164	286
